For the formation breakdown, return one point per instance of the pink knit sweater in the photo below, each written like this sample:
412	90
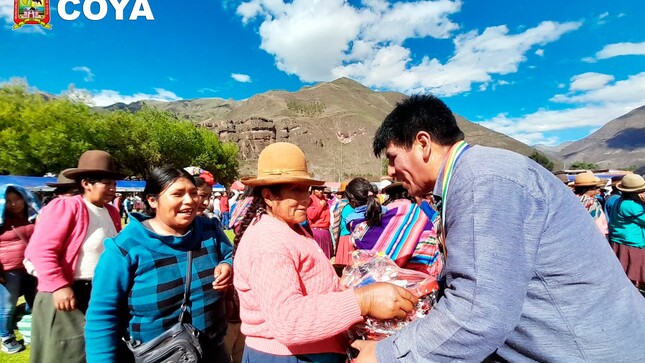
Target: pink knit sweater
59	233
290	297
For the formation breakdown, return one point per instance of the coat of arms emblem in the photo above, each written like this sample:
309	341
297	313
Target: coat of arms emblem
34	12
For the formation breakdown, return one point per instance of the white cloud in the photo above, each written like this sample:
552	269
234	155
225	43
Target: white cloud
588	81
110	97
89	76
306	40
244	78
539	52
6	10
589	109
206	89
602	18
618	49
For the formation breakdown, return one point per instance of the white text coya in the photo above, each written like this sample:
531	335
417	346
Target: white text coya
141	8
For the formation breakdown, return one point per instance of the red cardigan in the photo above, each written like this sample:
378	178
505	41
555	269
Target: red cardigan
318	215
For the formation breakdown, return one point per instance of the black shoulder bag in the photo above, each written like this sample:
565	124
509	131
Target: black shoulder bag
178	344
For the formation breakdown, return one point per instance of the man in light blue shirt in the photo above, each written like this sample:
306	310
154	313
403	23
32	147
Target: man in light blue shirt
528	275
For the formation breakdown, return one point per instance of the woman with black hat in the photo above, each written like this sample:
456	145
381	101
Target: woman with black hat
64	250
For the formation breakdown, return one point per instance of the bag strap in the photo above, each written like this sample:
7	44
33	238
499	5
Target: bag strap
20	235
186	303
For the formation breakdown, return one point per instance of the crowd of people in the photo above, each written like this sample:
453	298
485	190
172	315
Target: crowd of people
530	268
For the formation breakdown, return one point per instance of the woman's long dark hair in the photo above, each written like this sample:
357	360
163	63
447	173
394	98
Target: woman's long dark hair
255	209
158	181
360	192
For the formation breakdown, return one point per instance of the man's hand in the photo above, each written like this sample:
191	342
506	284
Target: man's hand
64	299
383	300
223	276
367	350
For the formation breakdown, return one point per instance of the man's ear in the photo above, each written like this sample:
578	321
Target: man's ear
423	141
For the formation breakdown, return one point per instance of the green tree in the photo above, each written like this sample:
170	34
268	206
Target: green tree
385	163
39	135
582	165
150	138
541	159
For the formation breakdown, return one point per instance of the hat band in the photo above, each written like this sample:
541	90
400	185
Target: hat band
285	172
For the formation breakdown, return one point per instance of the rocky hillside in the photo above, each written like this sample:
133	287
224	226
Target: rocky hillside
332	122
619	143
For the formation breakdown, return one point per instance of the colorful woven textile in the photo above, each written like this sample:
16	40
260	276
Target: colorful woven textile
406	235
239	212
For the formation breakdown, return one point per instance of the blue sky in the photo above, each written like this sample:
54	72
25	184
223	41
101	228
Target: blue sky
540	71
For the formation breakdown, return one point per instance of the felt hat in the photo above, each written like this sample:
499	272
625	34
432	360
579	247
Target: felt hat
631	183
601	182
563	178
62	180
392	187
281	163
585	180
94	162
342	187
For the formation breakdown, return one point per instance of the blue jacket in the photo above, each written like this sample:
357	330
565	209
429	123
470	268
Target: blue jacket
529	276
140	280
627	223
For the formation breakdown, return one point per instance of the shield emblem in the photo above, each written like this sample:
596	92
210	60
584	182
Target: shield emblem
33	12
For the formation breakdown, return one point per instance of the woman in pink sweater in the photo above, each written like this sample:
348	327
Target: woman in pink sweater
18	210
292	307
64	249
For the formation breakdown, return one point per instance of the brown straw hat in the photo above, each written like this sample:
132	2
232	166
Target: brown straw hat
601	182
585	180
62	181
631	183
281	163
342	187
94	162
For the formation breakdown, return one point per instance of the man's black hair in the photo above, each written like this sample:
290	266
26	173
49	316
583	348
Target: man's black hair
412	115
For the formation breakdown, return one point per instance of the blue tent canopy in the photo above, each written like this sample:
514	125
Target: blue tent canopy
35	183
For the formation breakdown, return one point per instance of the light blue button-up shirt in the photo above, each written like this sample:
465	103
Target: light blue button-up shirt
529	276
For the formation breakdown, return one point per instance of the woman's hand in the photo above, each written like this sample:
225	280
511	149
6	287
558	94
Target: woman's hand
64	299
383	300
223	276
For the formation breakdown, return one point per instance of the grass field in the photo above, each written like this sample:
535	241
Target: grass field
23	357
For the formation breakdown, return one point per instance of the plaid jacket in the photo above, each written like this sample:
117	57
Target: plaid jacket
140	279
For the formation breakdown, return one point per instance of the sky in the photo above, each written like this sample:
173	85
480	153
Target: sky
543	72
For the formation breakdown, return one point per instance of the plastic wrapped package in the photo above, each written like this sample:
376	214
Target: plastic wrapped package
368	267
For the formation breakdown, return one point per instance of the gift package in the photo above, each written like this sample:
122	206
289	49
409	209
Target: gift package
368	267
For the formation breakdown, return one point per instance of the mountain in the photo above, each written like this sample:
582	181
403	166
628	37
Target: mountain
333	122
619	143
